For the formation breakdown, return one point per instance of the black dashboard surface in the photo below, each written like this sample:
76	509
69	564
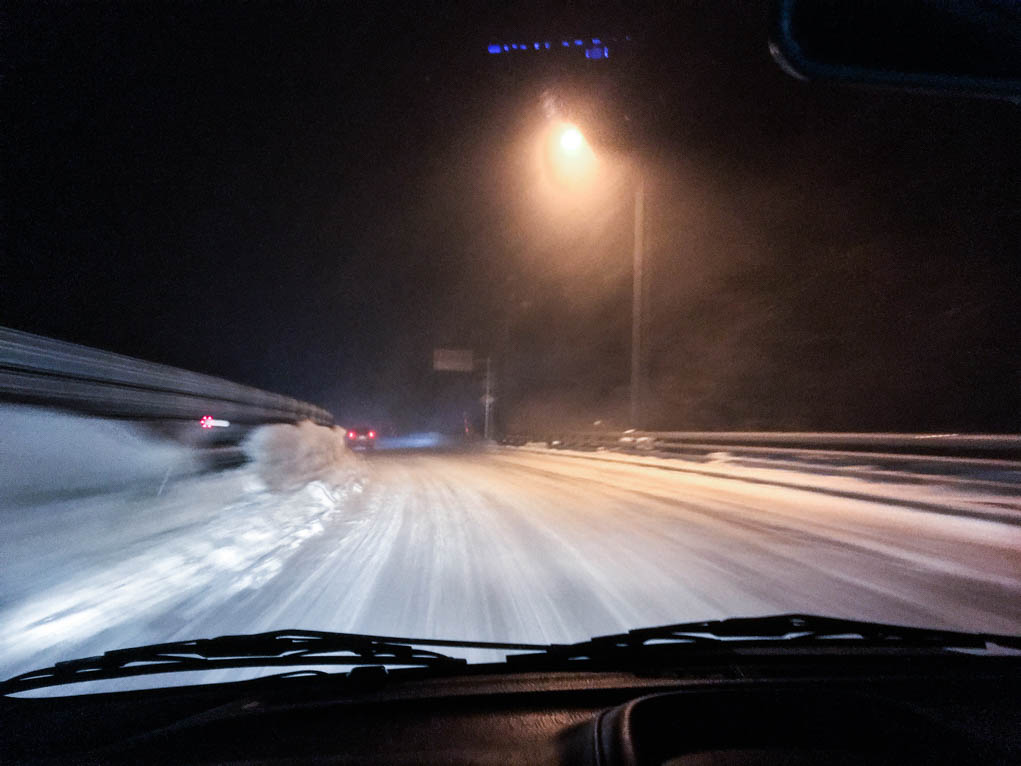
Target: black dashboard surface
896	711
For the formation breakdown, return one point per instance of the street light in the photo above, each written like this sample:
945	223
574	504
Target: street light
569	156
572	161
571	139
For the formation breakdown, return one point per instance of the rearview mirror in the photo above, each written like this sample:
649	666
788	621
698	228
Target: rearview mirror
961	46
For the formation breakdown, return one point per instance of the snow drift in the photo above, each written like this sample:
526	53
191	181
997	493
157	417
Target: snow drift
287	456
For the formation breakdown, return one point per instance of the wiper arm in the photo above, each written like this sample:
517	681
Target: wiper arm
797	629
277	648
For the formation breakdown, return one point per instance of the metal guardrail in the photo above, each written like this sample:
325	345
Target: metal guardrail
994	450
39	370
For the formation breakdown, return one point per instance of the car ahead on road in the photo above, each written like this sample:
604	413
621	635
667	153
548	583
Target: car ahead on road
361	437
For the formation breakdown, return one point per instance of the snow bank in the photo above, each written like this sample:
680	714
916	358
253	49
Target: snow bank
286	456
45	452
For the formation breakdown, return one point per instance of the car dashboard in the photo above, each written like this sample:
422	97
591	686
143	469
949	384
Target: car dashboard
828	709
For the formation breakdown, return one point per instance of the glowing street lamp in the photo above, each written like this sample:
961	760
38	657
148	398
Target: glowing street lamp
570	159
571	139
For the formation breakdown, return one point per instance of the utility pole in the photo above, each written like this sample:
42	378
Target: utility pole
488	400
638	298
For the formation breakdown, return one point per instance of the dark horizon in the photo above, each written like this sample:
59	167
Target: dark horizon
289	199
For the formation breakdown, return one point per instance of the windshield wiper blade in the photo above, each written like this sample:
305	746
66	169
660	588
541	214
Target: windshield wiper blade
786	629
812	628
256	650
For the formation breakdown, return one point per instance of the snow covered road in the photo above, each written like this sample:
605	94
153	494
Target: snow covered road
505	545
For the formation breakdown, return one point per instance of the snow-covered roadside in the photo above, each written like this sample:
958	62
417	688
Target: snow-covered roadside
87	561
46	454
937	495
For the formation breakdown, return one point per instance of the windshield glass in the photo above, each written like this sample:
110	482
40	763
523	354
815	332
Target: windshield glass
497	325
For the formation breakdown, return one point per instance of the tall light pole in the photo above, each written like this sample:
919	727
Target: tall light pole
573	158
637	304
488	400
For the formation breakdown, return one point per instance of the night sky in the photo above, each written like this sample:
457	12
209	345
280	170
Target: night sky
310	197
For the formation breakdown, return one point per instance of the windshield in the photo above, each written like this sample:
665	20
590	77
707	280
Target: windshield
645	330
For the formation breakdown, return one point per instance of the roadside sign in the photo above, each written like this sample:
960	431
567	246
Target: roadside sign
453	359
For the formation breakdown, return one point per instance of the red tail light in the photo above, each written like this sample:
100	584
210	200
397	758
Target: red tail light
351	434
372	434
